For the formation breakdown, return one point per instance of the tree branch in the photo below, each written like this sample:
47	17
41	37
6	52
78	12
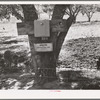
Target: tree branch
77	11
67	13
61	37
29	12
59	11
16	14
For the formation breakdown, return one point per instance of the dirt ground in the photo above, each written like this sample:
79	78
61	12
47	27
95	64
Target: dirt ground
76	65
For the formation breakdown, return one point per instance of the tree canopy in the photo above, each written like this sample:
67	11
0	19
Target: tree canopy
6	11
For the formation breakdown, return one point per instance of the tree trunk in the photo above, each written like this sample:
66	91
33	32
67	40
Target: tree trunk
74	21
58	13
44	64
31	15
89	19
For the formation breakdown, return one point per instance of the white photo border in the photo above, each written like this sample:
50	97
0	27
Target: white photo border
49	94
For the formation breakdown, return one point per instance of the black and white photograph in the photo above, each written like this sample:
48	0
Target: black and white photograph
50	46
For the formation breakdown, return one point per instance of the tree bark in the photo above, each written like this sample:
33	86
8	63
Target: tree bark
74	21
58	13
31	15
89	19
44	64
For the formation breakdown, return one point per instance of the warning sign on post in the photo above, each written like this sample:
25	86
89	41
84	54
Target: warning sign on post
43	47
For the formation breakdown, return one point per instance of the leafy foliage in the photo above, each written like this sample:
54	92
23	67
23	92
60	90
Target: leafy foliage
48	9
73	10
6	11
98	7
89	10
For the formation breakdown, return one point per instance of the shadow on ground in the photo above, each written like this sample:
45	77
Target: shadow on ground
76	80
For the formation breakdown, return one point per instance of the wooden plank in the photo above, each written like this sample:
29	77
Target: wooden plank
58	25
43	47
28	28
25	28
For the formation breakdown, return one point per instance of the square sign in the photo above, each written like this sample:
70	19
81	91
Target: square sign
43	47
41	28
